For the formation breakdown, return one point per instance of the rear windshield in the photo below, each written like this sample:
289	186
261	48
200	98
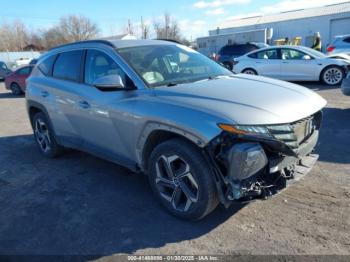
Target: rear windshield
237	49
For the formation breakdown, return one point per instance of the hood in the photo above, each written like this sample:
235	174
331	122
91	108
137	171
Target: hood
244	99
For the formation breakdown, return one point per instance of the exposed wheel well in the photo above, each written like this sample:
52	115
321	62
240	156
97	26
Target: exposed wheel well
154	139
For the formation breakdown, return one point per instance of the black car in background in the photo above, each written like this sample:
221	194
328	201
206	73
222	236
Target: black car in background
4	70
229	52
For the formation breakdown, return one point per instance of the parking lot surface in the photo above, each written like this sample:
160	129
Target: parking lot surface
80	204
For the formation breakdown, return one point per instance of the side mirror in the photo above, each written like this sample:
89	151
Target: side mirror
109	82
306	57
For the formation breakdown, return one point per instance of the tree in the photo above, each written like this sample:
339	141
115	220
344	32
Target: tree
168	28
129	28
14	36
144	29
76	28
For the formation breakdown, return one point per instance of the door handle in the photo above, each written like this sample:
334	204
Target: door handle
84	104
44	93
285	62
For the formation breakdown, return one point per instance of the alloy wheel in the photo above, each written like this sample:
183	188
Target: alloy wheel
42	135
333	76
176	183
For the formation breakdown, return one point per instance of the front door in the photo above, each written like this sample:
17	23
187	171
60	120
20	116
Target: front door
297	66
104	115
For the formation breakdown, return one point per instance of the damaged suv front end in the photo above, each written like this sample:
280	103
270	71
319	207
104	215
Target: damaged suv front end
259	161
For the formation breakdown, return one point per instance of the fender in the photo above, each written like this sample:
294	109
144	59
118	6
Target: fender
150	127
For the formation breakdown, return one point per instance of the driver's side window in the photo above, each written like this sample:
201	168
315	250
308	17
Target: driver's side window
99	64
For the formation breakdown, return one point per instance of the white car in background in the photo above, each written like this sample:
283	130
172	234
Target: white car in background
293	63
340	44
22	61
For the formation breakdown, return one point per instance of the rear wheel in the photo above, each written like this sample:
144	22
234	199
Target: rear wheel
332	75
44	136
16	89
249	71
182	180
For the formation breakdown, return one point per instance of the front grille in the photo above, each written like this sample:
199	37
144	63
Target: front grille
294	134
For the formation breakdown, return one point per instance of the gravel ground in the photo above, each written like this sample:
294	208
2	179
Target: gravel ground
79	204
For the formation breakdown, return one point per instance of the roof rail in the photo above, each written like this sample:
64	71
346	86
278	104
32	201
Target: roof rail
98	41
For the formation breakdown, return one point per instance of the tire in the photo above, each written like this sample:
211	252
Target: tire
332	75
44	136
16	89
187	190
249	71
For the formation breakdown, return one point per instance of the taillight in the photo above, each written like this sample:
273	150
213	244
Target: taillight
330	48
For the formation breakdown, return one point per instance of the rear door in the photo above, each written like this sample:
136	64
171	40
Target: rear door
103	117
267	63
61	91
295	67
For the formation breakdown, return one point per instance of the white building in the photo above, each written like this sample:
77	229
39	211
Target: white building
329	21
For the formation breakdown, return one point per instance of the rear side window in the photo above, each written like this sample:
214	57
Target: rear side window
67	65
46	65
347	40
25	70
237	50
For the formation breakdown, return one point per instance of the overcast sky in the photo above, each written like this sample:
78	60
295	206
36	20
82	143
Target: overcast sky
195	17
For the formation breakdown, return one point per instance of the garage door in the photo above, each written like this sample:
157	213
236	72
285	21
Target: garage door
340	27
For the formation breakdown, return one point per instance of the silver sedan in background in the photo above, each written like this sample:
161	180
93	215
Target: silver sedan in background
293	63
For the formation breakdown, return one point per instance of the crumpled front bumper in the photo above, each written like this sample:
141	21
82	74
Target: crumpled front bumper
259	169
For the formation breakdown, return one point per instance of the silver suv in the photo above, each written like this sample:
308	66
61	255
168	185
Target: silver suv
200	133
340	44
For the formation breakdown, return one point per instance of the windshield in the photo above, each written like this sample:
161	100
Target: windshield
160	65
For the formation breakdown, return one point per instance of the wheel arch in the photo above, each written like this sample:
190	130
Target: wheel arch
155	133
33	108
249	68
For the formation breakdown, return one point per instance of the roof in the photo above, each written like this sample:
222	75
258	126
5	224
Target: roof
115	43
132	43
289	15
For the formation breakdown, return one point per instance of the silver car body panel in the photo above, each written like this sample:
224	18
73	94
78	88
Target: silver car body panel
116	125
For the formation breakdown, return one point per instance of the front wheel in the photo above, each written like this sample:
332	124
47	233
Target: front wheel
182	180
332	75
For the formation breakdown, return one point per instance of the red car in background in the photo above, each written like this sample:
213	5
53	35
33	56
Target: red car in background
16	81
